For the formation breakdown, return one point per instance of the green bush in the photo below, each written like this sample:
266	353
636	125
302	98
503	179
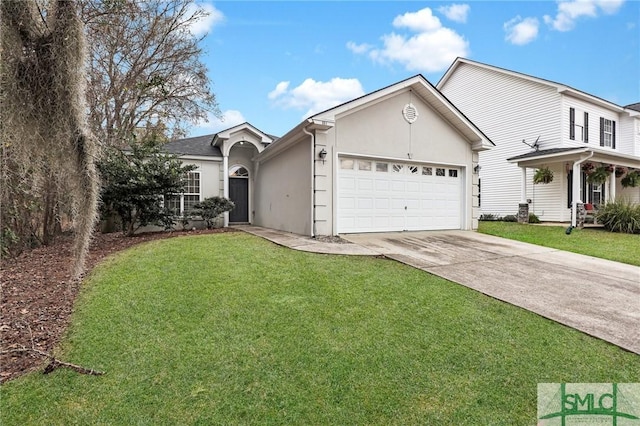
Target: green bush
210	208
533	218
510	218
620	216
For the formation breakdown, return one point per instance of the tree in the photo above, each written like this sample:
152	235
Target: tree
136	181
48	153
145	70
210	208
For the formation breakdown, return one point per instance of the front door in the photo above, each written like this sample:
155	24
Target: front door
239	194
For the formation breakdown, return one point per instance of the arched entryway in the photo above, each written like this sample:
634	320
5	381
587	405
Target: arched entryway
239	194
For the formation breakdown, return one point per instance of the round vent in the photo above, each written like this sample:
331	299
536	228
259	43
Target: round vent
410	113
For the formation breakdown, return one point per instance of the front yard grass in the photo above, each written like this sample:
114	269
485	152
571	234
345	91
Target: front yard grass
596	242
231	329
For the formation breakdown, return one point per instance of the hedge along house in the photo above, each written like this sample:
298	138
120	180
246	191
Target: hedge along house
401	158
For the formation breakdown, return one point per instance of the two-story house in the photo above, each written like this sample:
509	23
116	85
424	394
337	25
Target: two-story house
537	123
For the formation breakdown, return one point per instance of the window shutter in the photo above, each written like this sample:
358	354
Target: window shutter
601	131
572	123
586	127
584	187
613	134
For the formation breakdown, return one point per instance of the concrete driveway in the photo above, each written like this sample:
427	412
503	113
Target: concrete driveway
596	296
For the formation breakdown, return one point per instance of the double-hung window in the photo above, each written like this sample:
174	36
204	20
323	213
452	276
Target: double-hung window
607	133
181	204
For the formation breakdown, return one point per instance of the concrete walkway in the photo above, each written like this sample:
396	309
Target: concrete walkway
596	296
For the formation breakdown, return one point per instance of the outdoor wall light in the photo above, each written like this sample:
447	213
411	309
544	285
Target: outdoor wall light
323	155
477	168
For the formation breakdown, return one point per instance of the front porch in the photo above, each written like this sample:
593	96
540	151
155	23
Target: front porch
600	178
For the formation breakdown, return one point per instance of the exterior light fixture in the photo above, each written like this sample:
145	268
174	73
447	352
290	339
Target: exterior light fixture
477	168
322	154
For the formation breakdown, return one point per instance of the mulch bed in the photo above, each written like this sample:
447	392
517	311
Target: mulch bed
37	295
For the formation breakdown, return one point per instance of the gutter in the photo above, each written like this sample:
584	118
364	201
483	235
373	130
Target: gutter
313	181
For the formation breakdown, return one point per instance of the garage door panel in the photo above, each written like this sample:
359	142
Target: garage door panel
400	198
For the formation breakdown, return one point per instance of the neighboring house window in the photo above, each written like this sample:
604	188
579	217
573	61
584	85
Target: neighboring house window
180	203
607	133
586	127
572	123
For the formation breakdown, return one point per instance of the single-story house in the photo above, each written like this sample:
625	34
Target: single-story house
541	124
400	158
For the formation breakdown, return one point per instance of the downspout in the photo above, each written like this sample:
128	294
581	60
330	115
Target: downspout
576	188
313	181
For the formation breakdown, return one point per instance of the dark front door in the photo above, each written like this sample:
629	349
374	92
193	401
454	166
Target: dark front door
239	194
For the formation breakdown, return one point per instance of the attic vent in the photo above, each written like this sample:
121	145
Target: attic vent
410	113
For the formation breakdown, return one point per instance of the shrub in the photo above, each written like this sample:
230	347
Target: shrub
533	218
211	208
620	216
489	217
510	218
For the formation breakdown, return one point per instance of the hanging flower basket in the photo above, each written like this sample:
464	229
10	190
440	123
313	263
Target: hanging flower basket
631	180
543	175
599	175
621	171
588	168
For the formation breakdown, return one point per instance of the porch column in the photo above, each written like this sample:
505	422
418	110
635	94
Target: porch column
523	207
225	185
523	186
612	185
575	190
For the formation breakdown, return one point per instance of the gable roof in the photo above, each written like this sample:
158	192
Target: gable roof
196	146
635	107
561	88
265	138
429	93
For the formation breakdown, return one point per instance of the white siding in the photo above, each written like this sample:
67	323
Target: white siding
595	112
628	138
518	109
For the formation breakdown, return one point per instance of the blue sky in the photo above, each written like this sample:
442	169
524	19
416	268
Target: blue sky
275	63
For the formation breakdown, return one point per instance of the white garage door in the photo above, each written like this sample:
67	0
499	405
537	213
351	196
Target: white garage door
379	196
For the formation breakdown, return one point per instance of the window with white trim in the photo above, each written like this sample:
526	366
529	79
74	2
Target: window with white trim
179	204
453	173
382	167
439	171
607	133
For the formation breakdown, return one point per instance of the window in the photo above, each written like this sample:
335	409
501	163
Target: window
382	167
572	123
427	171
179	204
413	170
607	133
453	173
364	165
238	171
346	164
397	168
439	172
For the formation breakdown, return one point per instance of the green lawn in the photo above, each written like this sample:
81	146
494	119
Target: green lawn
231	329
595	242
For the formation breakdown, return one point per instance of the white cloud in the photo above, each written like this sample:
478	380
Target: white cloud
281	88
359	48
432	49
521	31
316	96
210	17
455	12
214	124
570	11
